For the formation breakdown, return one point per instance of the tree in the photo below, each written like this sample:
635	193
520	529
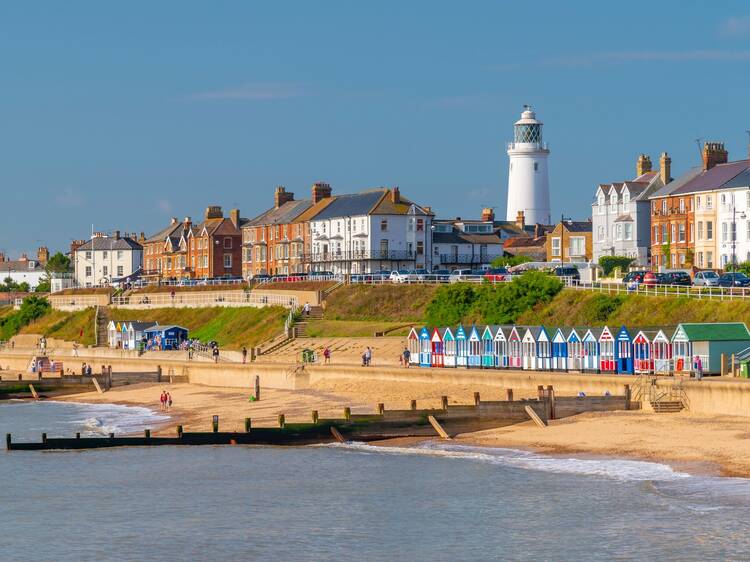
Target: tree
610	263
58	263
509	261
44	286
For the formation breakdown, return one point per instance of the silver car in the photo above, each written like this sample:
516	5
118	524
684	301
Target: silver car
706	279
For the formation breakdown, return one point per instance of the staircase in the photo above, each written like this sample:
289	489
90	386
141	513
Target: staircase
667	406
671	400
300	328
101	321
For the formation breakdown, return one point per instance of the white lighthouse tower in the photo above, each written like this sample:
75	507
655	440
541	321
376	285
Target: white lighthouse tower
528	181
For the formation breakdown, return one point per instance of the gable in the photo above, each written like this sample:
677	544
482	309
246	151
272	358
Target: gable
436	335
460	333
543	335
528	337
623	334
559	336
606	335
474	336
573	337
448	335
413	334
640	338
424	334
500	335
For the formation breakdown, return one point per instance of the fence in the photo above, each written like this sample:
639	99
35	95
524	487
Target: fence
161	300
710	293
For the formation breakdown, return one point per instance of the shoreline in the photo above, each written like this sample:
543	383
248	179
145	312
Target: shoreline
699	444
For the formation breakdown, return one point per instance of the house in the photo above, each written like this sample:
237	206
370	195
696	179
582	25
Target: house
105	258
459	243
165	337
707	341
25	270
371	231
208	250
276	241
127	334
621	213
570	242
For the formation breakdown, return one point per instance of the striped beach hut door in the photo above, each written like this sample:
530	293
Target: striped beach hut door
437	349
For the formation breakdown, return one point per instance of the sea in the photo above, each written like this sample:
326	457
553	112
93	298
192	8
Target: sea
354	501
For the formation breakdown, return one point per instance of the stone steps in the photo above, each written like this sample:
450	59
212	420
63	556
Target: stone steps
667	406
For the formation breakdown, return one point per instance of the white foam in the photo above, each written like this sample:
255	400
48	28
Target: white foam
615	469
103	419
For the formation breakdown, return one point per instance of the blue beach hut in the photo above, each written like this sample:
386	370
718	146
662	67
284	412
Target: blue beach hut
474	358
165	337
462	347
624	351
489	358
575	350
559	351
425	348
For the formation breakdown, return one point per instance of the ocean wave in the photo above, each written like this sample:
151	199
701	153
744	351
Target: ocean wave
103	419
614	469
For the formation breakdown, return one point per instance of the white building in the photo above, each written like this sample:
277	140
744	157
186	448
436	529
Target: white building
23	270
460	243
528	179
106	258
733	220
371	231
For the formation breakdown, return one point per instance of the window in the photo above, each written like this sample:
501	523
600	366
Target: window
656	234
674	228
692	232
628	231
420	225
88	255
625	198
709	205
105	271
420	247
410	225
556	246
723	199
618	230
384	225
88	271
577	246
119	271
664	234
700	230
682	205
700	259
698	201
613	199
227	243
600	233
709	231
663	206
384	249
119	254
105	254
681	231
600	200
724	232
227	261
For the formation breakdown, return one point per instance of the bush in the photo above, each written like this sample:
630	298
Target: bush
32	308
610	263
509	261
451	304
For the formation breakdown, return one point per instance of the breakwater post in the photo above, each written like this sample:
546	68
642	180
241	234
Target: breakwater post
444	402
477	399
248	424
315	416
509	394
215	424
282	421
257	387
413	404
381	408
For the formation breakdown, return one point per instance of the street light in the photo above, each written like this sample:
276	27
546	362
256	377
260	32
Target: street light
734	235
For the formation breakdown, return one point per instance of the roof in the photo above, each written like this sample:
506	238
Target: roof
457	237
724	331
101	243
647	177
284	214
677	183
139	326
624	218
160	328
19	266
525	242
578	226
713	178
386	206
313	210
354	204
740	180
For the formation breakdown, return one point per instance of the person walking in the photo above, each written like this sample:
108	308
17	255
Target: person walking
306	309
169	401
368	356
407	357
215	353
327	355
698	367
163	401
244	354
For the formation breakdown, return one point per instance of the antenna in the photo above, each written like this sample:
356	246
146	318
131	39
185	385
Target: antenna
698	143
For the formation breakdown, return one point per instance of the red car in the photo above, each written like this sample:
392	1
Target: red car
497	274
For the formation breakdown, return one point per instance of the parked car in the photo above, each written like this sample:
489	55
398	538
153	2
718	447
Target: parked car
706	279
320	275
677	278
634	277
400	276
497	274
734	279
260	278
459	275
650	279
569	272
441	275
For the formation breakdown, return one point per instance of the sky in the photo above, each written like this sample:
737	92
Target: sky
123	115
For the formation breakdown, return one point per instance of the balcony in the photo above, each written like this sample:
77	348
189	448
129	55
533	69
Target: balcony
382	255
464	259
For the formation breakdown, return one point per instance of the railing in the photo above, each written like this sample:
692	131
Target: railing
467	259
710	293
156	300
383	255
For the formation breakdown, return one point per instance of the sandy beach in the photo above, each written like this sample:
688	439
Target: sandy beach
721	444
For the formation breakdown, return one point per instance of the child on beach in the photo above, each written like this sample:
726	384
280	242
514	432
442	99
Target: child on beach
169	401
163	400
327	355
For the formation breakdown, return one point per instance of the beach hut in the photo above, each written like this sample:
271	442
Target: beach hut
133	332
528	347
591	350
559	351
708	342
165	337
643	358
515	352
462	347
425	348
575	350
412	343
489	358
436	357
113	334
661	352
543	350
624	351
449	347
607	358
474	358
501	348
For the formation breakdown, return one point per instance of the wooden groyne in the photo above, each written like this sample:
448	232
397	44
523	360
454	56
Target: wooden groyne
380	425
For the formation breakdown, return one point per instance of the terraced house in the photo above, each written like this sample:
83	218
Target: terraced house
184	250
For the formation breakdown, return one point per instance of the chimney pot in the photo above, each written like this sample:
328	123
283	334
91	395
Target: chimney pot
320	191
395	195
642	165
281	196
714	153
520	220
174	220
488	215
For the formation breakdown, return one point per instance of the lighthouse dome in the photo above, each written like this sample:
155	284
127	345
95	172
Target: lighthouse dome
527	129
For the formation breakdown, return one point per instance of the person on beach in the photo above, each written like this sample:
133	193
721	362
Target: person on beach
163	401
306	309
244	354
368	356
698	367
169	401
327	355
215	353
406	357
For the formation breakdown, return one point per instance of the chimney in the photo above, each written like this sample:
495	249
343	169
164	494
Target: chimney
212	212
714	153
428	210
520	220
320	191
117	234
42	255
281	196
488	215
75	244
24	257
142	237
395	196
173	221
665	168
537	230
234	216
642	165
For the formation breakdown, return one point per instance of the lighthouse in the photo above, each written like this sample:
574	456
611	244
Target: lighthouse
528	181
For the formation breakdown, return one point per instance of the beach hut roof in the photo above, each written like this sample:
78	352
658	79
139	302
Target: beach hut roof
475	333
460	332
413	335
424	333
721	331
447	334
158	328
436	337
489	332
595	333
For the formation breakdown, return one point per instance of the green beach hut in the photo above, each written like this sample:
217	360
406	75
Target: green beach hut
707	341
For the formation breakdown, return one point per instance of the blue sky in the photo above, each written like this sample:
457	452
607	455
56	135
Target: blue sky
125	115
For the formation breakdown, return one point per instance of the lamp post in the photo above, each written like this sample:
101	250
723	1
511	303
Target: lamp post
734	235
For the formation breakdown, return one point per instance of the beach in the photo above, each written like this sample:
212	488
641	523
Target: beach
711	443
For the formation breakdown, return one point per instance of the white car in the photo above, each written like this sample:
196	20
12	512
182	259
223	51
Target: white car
706	279
459	275
400	276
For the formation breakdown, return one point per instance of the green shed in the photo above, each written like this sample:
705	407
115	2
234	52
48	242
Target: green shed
707	341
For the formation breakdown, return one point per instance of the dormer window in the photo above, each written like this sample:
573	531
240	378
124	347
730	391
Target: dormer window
625	198
613	199
601	199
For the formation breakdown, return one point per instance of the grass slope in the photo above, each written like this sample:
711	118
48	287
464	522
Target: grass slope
380	303
585	308
230	327
65	325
